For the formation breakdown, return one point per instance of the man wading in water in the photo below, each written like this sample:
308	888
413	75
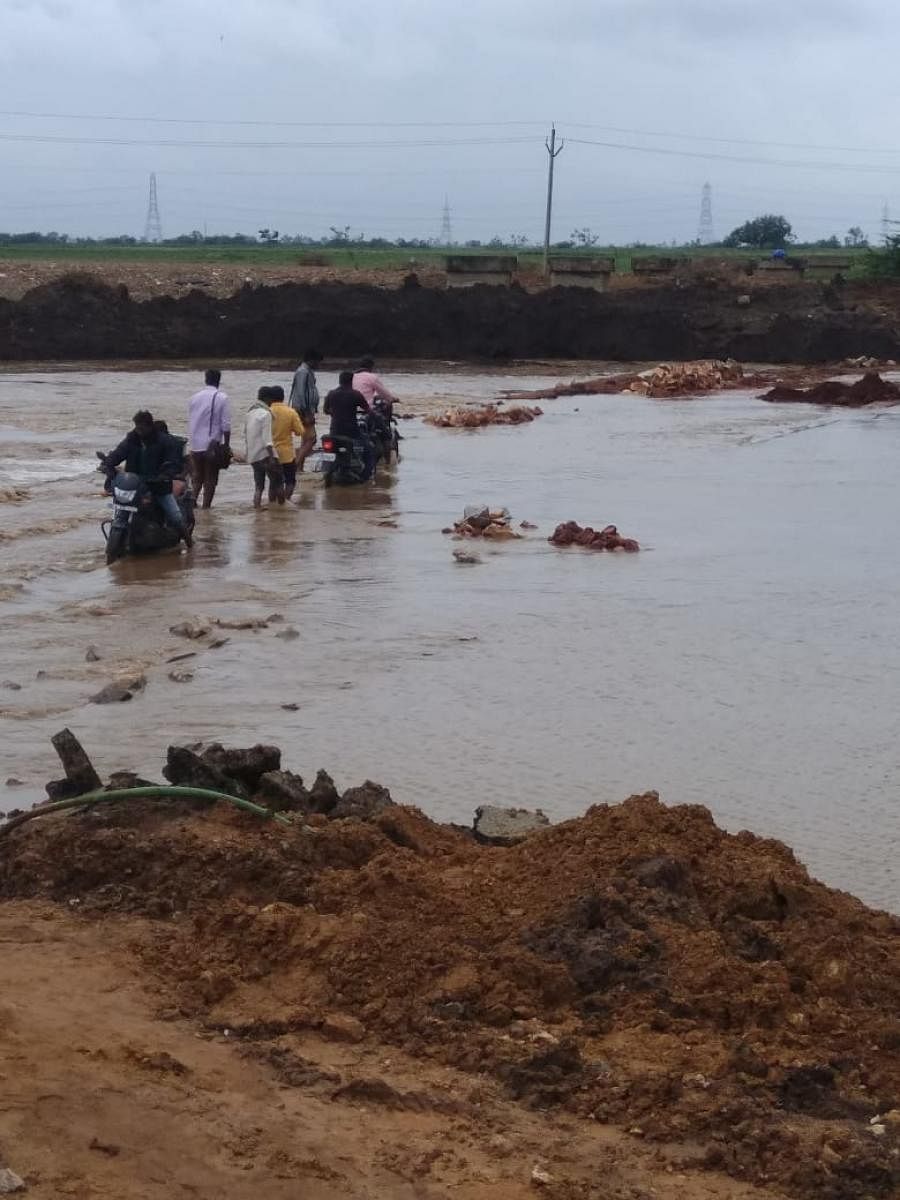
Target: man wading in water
305	401
261	451
209	434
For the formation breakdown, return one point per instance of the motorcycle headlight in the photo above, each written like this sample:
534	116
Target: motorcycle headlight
124	497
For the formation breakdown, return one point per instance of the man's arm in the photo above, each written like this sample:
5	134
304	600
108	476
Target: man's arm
171	463
296	423
383	392
361	402
327	406
118	455
225	418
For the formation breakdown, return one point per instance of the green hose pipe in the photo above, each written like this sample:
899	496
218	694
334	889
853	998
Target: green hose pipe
142	793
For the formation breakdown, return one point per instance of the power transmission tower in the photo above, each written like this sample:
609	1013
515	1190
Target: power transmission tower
885	223
153	226
446	228
553	151
706	234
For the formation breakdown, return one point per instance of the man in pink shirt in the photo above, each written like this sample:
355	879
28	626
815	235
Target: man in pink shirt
209	427
370	386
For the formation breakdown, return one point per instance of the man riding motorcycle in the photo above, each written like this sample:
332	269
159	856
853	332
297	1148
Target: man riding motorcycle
158	458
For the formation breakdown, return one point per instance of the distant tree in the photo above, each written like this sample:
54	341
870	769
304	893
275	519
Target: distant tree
855	238
885	264
269	237
763	233
473	244
584	238
518	240
496	242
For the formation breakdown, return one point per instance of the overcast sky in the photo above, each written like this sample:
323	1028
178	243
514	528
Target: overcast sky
780	83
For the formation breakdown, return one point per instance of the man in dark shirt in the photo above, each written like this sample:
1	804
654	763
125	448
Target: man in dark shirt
158	458
342	404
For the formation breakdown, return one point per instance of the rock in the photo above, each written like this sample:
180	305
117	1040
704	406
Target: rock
181	676
92	654
181	657
274	619
283	791
10	1182
338	1027
80	772
362	803
323	794
108	1148
190	629
12	686
184	768
13	782
291	707
744	301
240	622
892	1118
540	1177
500	1146
246	765
113	693
288	634
218	643
498	826
467	557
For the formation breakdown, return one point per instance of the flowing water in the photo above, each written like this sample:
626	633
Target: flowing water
748	659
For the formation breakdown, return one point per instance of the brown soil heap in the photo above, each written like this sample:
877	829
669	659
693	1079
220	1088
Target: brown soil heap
871	389
571	534
476	418
637	965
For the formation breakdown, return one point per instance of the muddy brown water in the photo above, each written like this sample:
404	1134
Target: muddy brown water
748	659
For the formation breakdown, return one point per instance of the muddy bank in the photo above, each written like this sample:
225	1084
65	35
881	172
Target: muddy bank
636	966
78	317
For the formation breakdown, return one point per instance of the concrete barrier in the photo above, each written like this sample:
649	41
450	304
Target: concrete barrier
590	273
467	270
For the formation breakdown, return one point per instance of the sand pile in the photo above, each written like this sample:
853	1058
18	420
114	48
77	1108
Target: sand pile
636	965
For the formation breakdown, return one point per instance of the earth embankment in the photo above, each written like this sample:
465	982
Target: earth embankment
79	317
637	967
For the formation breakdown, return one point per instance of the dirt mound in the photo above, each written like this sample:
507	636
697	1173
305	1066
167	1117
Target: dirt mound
636	965
95	318
666	380
871	389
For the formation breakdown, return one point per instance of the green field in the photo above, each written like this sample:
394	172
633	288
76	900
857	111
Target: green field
372	260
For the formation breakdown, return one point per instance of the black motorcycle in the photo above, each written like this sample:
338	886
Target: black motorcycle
342	461
138	525
382	429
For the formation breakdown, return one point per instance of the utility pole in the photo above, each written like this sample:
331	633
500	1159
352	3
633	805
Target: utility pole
153	226
553	151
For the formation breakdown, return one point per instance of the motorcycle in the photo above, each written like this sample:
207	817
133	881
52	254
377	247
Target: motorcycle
342	460
382	429
138	526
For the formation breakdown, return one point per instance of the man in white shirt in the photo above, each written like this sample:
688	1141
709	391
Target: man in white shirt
209	424
261	451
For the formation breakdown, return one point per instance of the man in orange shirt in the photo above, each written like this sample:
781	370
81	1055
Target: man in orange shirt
286	423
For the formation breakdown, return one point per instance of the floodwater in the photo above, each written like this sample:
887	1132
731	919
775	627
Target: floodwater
748	659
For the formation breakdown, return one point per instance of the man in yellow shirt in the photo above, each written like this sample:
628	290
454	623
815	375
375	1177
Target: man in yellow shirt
285	424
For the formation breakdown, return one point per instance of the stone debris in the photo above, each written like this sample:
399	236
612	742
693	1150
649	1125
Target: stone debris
608	538
92	654
489	414
190	629
478	520
10	1182
665	380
